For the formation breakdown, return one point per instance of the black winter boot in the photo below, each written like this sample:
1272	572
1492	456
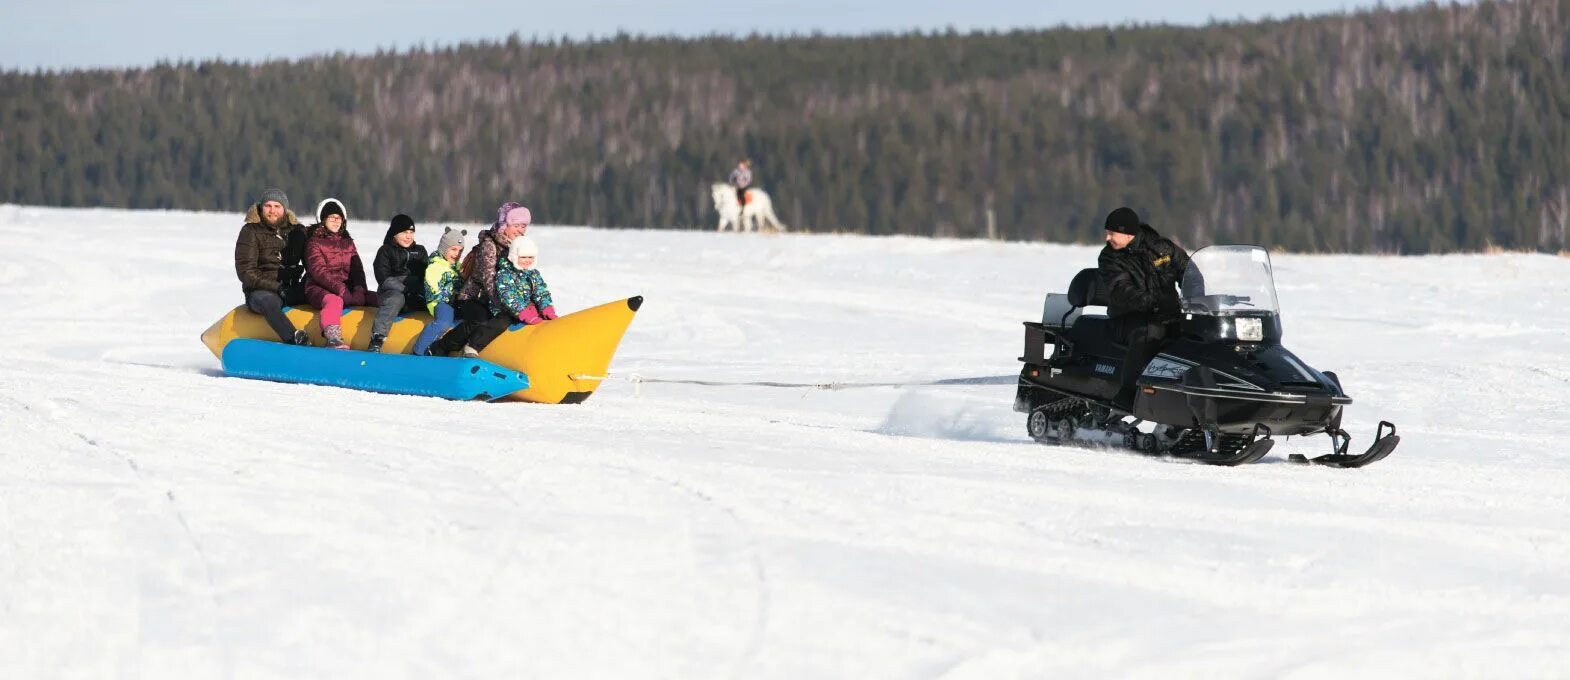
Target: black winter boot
301	338
442	347
452	340
376	343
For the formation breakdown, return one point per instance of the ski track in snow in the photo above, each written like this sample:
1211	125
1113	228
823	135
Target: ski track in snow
162	520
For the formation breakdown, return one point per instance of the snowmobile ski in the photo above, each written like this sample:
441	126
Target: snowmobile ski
1383	444
1250	453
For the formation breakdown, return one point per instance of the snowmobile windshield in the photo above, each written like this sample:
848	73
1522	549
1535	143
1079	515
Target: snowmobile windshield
1229	280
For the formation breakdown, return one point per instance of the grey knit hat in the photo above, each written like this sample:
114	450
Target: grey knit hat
451	237
274	194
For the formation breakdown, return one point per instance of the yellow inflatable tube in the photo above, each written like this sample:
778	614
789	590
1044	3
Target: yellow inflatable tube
564	359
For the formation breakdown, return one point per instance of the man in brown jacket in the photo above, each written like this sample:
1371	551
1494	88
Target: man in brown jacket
269	259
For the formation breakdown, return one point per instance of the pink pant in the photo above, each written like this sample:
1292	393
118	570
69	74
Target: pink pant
332	305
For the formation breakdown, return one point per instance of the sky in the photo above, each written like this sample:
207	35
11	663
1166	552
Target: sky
67	34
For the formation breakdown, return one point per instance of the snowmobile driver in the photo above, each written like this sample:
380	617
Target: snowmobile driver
1139	270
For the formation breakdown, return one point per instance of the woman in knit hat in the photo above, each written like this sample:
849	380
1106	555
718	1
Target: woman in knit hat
521	297
521	294
441	285
334	275
479	276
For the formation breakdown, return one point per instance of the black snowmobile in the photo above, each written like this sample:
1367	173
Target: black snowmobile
1218	392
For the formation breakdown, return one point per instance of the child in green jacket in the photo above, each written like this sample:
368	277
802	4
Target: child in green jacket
441	284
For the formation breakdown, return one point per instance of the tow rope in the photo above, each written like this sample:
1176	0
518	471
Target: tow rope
638	381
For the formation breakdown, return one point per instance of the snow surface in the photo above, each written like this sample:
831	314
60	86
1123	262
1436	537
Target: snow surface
160	520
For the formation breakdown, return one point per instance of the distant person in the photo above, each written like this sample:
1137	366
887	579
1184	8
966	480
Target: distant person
441	286
741	178
269	259
399	268
1139	270
335	277
479	276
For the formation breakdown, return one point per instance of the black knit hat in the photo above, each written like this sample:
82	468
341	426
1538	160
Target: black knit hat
400	223
331	207
1123	221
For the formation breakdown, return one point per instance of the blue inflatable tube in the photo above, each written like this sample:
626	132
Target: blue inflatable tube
448	378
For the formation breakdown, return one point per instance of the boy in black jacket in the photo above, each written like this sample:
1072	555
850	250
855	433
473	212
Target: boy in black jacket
400	277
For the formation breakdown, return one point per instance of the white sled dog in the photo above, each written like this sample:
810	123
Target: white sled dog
758	213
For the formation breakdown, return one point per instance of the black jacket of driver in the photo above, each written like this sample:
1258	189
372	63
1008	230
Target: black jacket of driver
1142	277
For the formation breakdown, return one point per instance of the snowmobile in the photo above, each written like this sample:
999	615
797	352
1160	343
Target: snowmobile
1220	391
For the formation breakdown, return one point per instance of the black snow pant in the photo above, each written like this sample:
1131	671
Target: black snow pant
477	328
392	300
270	305
1144	335
490	330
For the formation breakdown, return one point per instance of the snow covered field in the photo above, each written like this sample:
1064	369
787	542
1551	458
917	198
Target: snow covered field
160	520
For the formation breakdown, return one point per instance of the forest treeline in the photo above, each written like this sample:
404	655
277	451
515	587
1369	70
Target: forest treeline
1431	129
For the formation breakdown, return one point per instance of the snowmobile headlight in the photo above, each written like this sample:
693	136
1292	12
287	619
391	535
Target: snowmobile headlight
1250	329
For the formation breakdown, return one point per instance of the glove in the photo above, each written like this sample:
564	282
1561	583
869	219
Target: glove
529	316
549	312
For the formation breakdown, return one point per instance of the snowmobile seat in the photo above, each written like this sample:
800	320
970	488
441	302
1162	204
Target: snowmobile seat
1091	330
1097	333
1086	289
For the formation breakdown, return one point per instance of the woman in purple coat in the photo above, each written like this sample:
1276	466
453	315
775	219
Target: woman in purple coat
334	275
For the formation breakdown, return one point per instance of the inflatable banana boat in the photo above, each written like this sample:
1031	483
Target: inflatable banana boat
444	377
565	359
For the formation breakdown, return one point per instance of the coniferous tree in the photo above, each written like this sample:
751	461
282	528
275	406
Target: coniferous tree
1422	130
